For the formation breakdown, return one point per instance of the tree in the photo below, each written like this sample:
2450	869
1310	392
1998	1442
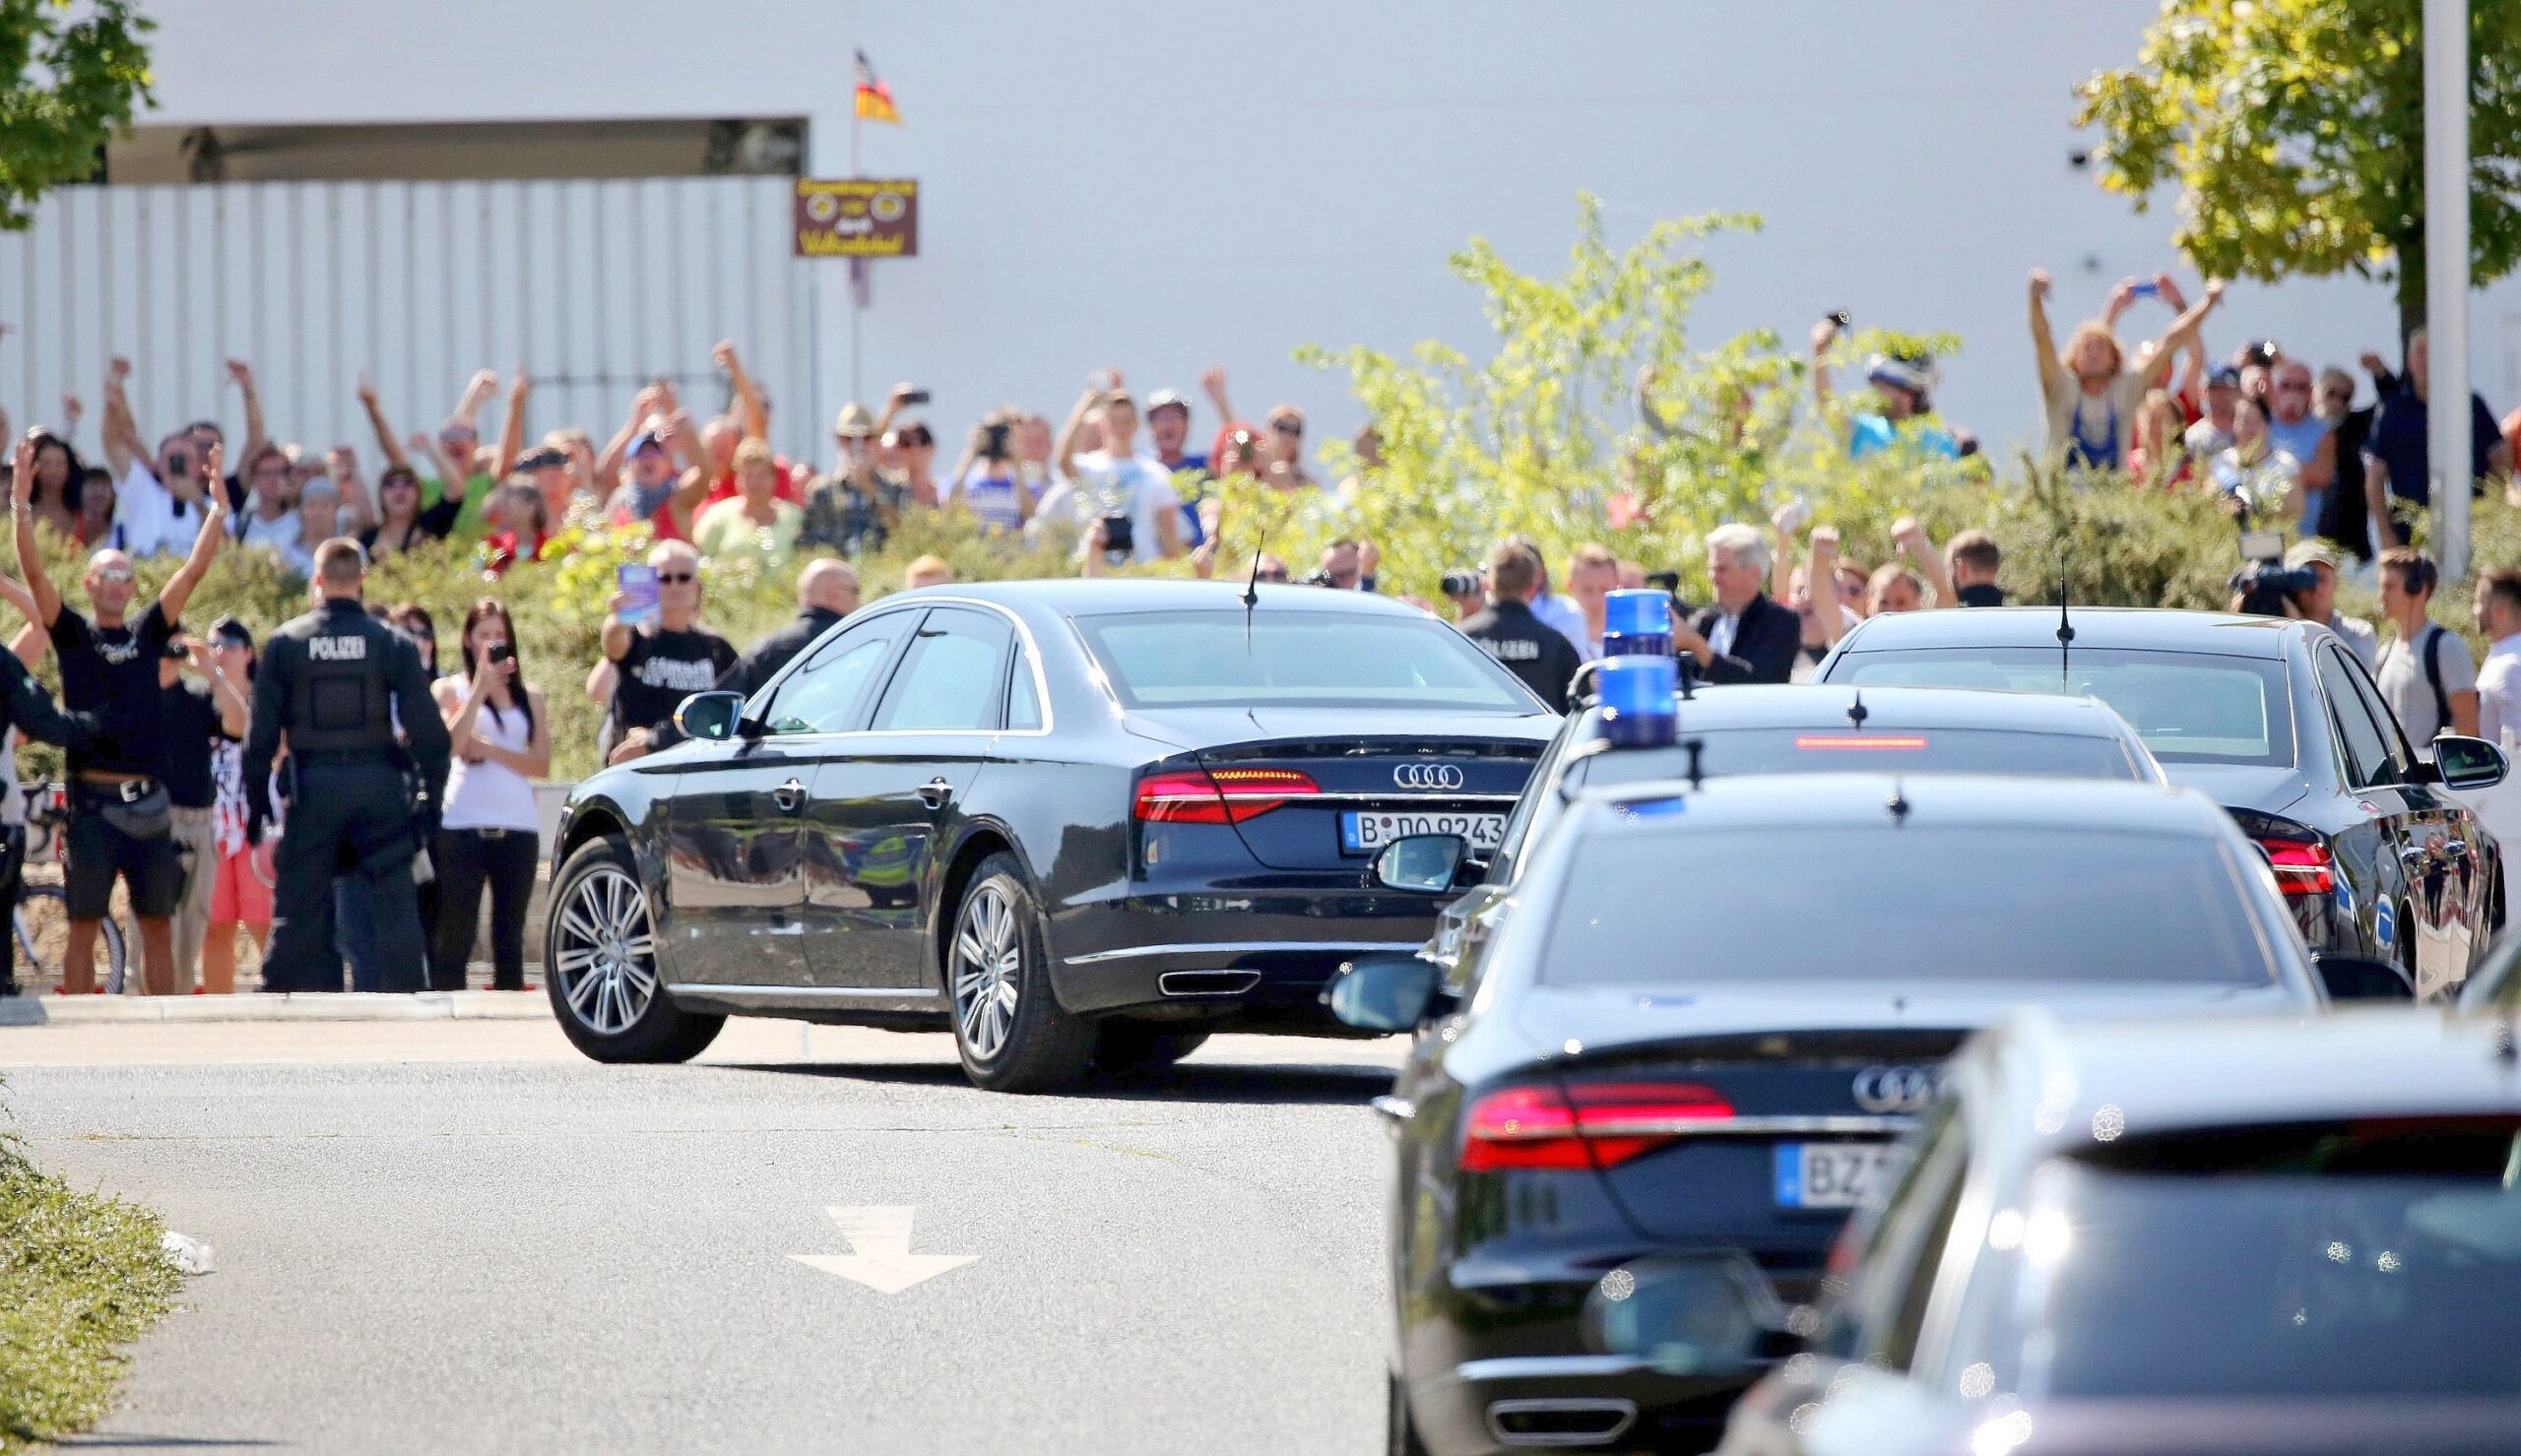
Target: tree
2295	131
80	72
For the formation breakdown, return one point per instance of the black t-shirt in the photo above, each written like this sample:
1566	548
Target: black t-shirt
113	672
434	524
192	720
1981	593
664	667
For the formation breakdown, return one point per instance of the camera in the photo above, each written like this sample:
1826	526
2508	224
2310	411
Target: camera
1119	537
1461	581
501	652
2264	582
993	440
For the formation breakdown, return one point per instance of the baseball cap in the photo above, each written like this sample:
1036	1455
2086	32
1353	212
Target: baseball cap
229	629
647	440
2224	375
1164	398
543	458
854	421
2311	552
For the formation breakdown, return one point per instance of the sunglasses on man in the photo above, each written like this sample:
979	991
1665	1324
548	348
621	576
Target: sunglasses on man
676	577
1287	427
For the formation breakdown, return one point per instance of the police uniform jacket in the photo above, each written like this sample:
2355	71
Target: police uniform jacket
336	681
1527	647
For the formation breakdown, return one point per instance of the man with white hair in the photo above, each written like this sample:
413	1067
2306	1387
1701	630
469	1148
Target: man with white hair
1745	637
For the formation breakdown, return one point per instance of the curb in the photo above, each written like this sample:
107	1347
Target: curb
282	1006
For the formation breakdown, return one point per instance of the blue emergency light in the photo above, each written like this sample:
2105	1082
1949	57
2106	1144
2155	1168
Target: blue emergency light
1640	701
1637	621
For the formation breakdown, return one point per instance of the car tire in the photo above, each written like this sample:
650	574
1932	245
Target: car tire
1009	1027
1401	1438
1125	1046
600	964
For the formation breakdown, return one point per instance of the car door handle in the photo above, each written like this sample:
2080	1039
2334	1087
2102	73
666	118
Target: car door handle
790	796
934	793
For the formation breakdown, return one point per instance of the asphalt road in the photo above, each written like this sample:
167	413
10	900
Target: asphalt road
525	1252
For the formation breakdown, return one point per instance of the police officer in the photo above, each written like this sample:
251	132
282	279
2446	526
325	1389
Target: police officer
1522	643
333	682
826	593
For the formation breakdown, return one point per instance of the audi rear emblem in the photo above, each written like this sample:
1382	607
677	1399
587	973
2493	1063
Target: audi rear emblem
1895	1089
1427	775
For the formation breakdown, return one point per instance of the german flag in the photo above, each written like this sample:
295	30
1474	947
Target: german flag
875	99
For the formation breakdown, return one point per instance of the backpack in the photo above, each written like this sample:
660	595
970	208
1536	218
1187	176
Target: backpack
2434	634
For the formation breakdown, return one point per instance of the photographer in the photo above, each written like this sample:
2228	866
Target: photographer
1130	497
1462	589
2315	600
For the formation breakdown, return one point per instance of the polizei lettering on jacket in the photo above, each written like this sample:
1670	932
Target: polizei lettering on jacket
338	649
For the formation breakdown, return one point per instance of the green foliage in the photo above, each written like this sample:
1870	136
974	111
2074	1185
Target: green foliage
80	1277
77	82
2294	133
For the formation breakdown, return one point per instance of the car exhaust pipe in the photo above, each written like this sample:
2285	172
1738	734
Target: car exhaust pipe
1207	982
1568	1422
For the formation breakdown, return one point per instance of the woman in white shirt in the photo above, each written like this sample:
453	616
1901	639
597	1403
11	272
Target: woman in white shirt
489	836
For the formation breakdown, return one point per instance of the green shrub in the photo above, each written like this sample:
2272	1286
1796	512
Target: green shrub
80	1277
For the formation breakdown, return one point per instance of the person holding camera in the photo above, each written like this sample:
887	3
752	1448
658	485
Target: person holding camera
986	481
159	503
2315	600
499	732
2427	674
1130	497
202	707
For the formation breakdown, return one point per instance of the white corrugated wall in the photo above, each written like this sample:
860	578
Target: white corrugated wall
592	287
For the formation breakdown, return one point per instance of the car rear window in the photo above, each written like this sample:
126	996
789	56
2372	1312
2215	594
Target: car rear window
2320	1261
2187	706
1904	904
1309	659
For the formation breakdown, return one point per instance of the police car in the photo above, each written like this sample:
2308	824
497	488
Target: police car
1682	1060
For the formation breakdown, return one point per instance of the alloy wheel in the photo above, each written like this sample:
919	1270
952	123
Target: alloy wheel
988	961
607	961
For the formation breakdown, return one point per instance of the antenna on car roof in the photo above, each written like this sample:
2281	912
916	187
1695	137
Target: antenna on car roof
1897	802
1251	587
2065	629
1857	713
1694	747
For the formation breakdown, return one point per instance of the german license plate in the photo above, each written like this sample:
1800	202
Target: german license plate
1830	1174
1365	831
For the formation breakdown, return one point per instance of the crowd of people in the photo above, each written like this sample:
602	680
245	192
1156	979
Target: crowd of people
166	797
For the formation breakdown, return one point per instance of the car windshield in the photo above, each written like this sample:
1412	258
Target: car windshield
1298	659
1903	903
1788	750
2325	1260
2187	706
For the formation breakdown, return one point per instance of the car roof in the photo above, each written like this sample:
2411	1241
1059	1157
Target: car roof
1856	800
1817	706
2157	628
2074	1083
1083	597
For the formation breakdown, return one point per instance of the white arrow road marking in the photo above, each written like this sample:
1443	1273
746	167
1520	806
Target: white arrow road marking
879	1255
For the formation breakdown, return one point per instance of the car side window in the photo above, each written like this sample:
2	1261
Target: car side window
2368	752
824	695
949	679
2393	739
1023	707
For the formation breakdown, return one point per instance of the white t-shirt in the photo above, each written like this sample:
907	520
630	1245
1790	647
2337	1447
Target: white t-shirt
278	533
2499	690
1099	485
148	519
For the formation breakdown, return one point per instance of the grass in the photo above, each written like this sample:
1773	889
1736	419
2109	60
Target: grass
80	1277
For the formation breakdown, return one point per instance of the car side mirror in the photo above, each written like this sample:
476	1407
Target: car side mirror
712	717
1384	993
2469	763
1427	863
2363	979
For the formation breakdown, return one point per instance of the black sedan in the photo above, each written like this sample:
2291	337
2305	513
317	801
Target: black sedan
2275	721
2247	1238
1076	822
1682	1061
1754	729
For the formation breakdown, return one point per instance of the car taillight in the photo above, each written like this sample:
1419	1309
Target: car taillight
1221	797
1594	1125
2303	867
